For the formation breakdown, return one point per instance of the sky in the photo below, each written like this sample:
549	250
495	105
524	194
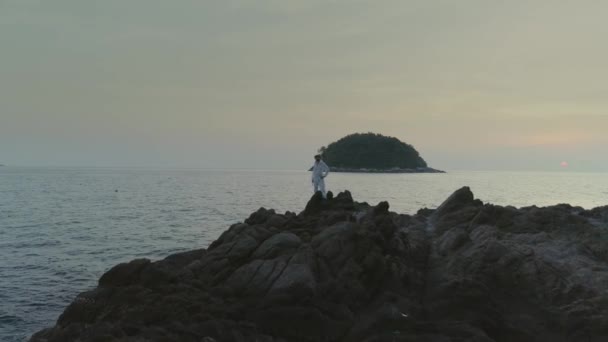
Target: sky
471	84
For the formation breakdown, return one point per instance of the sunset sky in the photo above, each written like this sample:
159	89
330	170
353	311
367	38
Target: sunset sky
472	84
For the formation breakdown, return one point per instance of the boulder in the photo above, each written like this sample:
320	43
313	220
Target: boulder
277	244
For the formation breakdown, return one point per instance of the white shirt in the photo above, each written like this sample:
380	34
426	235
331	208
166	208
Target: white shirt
320	170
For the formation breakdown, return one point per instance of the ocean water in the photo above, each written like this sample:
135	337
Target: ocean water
60	229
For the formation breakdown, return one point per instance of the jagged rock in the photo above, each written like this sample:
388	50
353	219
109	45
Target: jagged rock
316	204
460	198
346	271
381	208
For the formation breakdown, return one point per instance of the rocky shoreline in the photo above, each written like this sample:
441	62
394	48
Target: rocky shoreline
395	170
347	271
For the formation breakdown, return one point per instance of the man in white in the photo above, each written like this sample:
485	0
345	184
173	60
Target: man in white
319	171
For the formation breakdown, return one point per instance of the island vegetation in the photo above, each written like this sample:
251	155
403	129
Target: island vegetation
372	152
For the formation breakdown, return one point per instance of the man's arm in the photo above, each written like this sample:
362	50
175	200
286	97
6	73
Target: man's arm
325	169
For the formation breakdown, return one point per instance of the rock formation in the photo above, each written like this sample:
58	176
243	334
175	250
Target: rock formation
347	271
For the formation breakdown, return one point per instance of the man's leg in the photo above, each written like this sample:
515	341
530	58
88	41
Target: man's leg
315	186
322	187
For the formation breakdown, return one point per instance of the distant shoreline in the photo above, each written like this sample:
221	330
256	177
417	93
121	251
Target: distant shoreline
395	170
416	170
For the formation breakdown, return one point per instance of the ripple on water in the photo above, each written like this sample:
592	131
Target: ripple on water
10	319
37	245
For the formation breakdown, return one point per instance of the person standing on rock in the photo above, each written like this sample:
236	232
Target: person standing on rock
320	170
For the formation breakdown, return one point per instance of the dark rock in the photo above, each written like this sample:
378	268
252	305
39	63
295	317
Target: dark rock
315	204
242	247
256	277
296	279
344	201
345	271
381	208
123	274
459	199
277	221
276	245
425	212
260	216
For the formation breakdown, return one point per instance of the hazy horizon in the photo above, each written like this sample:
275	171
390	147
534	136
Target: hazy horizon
472	85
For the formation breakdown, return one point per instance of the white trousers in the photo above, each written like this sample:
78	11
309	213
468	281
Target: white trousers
318	184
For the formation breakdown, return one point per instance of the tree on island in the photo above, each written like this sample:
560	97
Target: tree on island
371	151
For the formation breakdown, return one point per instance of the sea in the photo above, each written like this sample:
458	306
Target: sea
62	228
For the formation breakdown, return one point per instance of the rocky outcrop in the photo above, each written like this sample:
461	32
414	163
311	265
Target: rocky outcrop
347	271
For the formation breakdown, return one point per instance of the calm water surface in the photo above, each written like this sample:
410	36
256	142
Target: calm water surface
60	229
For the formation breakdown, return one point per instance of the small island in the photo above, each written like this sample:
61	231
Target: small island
374	153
